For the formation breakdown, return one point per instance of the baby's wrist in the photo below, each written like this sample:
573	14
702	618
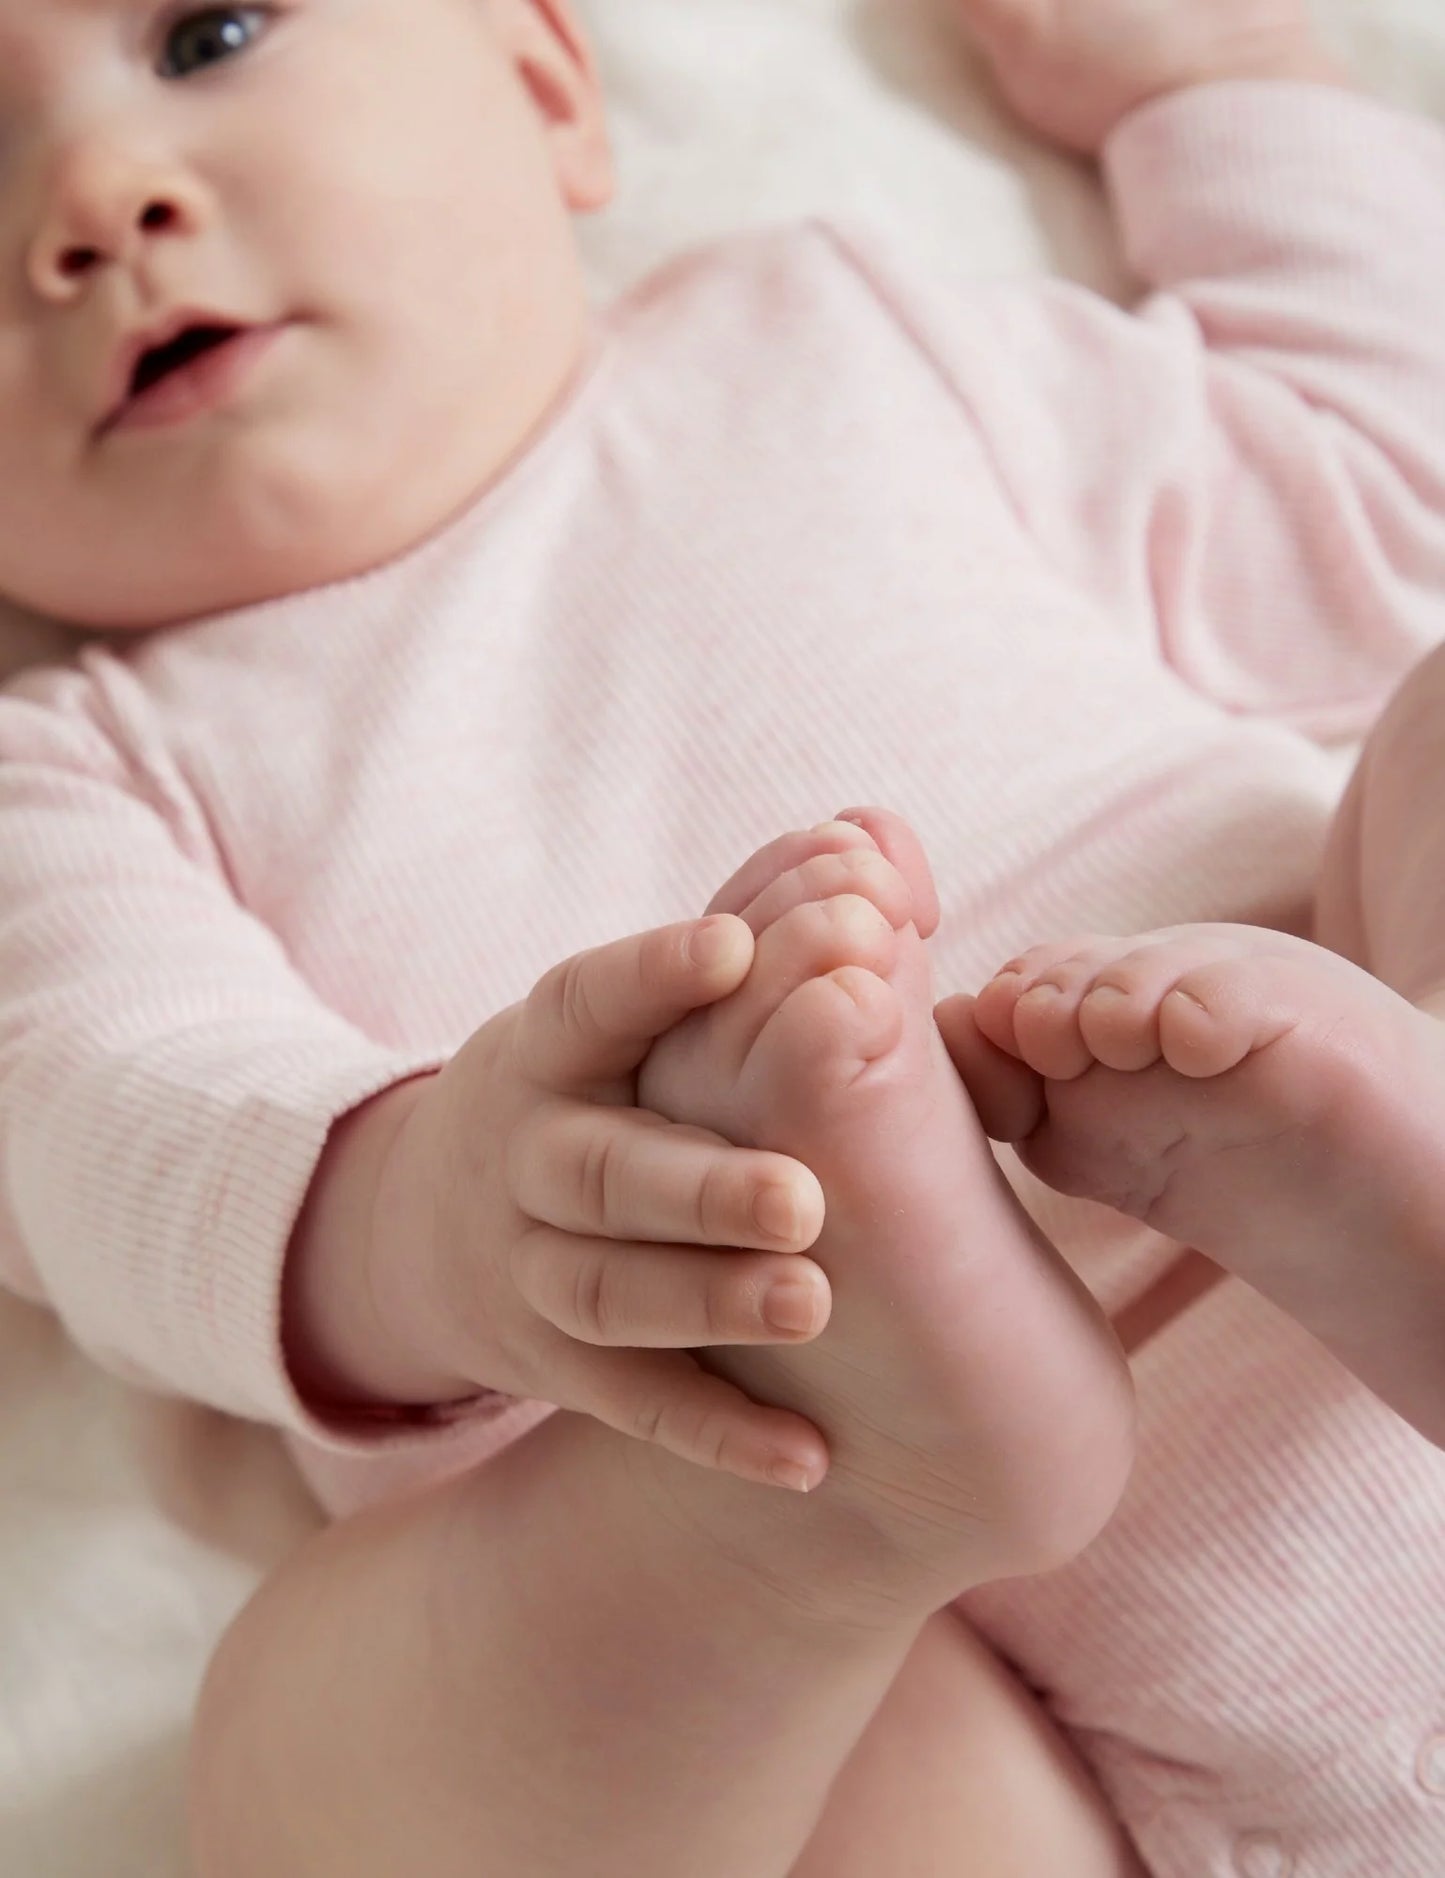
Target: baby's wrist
345	1343
1304	62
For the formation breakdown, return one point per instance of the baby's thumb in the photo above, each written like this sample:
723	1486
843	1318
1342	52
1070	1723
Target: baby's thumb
596	1016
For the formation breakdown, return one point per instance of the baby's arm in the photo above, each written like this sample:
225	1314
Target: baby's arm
170	1085
1074	69
1247	471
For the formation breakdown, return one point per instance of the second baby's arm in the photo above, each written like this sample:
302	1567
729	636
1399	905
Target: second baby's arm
1248	469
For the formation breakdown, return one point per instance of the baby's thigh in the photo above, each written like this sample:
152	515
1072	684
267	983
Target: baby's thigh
961	1774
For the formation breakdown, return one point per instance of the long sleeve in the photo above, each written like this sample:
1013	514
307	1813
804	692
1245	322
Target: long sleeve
1249	464
167	1080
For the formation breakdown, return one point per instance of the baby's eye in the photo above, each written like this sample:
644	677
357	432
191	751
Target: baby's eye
217	31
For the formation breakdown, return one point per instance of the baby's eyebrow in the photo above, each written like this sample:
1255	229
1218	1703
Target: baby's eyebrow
33	10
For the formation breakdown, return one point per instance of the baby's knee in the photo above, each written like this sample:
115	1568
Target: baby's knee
274	1736
1415	714
226	1799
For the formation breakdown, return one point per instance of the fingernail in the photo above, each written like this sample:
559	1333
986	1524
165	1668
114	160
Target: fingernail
792	1475
791	1305
711	943
775	1212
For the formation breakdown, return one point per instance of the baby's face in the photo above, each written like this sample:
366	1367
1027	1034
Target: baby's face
388	183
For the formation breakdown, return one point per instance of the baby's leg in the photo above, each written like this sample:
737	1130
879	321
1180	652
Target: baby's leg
529	1673
978	1408
1259	1097
536	1671
1381	895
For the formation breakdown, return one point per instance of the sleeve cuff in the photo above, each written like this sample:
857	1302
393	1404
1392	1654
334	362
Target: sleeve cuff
1270	163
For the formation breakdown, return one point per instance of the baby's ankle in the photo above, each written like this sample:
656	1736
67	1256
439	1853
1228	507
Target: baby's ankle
798	1562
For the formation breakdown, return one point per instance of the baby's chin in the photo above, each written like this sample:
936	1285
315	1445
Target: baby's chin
222	576
29	639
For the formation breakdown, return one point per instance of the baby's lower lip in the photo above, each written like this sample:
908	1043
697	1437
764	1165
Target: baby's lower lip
212	379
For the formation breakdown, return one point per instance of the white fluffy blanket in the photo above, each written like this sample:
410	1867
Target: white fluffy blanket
131	1528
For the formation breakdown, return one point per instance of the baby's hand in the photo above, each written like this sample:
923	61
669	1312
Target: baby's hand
550	1240
1073	68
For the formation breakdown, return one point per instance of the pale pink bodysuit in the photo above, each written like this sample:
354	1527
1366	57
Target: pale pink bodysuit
1080	592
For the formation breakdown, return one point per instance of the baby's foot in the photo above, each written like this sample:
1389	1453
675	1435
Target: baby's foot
977	1407
1249	1094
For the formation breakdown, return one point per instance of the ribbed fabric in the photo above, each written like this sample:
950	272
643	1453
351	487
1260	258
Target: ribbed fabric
1080	592
1251	1657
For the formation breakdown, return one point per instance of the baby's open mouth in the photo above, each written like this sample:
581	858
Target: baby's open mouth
155	364
203	366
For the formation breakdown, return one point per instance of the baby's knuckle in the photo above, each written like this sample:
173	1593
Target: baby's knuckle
593	1303
714	1203
726	1304
648	1418
598	1175
576	996
686	1429
711	1438
854	913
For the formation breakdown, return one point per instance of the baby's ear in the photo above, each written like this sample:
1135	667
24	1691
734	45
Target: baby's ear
555	63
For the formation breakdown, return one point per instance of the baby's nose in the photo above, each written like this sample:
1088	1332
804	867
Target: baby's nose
102	206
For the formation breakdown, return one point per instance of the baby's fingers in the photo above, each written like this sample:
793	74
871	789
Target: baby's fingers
595	1016
667	1399
628	1174
668	1297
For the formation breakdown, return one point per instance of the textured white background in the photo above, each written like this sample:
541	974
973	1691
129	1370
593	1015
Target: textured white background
131	1527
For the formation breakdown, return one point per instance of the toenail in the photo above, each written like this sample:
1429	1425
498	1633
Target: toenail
1043	991
712	944
791	1305
1108	991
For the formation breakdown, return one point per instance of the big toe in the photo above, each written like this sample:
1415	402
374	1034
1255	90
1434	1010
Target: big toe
1008	1094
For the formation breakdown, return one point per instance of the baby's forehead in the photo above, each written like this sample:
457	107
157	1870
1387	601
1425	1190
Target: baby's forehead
33	21
28	23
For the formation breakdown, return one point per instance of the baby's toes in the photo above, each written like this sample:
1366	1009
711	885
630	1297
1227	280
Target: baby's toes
862	872
792	849
995	1004
1119	1017
781	856
808	942
1190	1000
1046	1023
1213	1017
1146	1005
1032	1007
821	1039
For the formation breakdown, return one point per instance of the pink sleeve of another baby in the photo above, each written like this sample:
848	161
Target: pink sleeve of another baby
1248	467
167	1079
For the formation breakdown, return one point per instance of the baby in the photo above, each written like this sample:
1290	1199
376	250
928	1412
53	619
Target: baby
451	630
